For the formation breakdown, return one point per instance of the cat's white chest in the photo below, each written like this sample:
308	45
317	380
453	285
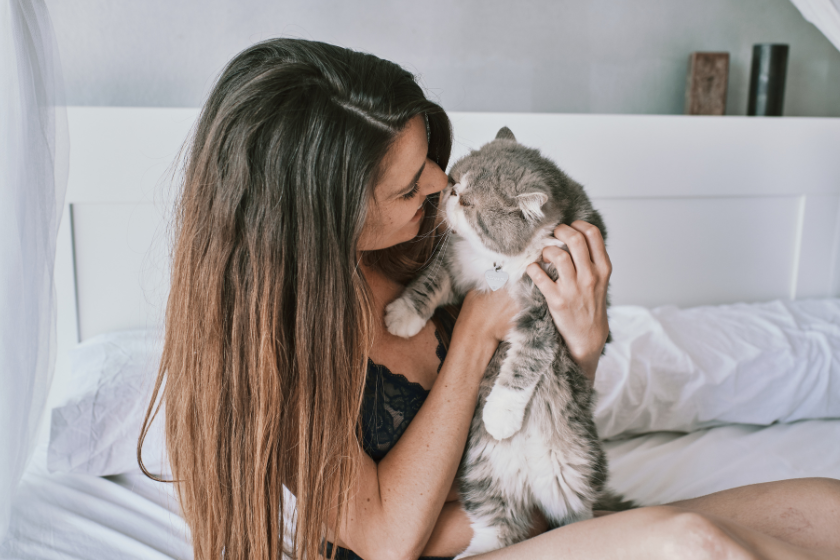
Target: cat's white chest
470	265
471	260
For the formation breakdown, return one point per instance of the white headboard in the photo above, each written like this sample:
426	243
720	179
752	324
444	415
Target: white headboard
700	210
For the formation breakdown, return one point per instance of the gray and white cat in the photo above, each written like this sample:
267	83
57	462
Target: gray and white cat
532	441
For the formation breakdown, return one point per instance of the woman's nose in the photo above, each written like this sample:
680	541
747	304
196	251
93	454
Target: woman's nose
436	181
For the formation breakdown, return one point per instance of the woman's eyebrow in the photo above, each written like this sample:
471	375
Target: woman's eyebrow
414	180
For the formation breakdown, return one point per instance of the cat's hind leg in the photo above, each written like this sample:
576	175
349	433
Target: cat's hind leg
486	538
568	476
494	493
494	530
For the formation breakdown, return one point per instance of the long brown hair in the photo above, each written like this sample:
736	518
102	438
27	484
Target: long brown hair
268	322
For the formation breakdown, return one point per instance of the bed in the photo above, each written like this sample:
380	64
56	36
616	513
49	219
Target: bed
725	370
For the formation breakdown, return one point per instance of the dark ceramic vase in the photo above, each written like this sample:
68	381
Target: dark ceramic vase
767	80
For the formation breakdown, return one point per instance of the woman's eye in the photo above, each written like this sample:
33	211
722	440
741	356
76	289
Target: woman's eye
410	194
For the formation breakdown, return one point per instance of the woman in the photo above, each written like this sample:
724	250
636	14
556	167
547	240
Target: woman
308	202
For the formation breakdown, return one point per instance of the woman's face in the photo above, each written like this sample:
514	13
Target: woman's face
408	177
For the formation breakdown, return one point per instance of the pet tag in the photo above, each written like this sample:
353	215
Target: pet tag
496	278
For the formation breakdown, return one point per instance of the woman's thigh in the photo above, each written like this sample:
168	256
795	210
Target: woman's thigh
804	512
650	533
794	519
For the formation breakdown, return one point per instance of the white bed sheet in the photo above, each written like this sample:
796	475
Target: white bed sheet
666	466
64	516
71	516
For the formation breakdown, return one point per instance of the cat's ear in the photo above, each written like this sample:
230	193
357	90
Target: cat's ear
531	205
505	134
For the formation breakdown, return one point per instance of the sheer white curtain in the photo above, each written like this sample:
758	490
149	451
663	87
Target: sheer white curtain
825	15
33	171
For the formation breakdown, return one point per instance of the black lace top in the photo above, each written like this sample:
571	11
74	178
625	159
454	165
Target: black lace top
391	401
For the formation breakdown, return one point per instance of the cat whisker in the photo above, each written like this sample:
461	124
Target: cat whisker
437	257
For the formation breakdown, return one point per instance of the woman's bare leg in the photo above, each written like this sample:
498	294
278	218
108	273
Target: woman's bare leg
789	520
804	512
642	533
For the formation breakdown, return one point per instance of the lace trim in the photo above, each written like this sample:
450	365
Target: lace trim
440	352
391	401
385	371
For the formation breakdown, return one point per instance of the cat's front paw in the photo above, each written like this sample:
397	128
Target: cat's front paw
504	411
401	319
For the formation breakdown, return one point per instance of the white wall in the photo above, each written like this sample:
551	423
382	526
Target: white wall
586	56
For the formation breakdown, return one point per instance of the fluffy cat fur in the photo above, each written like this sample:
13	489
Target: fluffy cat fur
532	441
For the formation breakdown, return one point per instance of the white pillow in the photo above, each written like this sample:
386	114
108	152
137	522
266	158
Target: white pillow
95	430
671	369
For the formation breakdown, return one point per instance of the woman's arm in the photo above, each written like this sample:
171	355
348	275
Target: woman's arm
394	506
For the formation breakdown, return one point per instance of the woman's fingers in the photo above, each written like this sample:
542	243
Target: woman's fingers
579	250
585	265
562	261
544	283
595	243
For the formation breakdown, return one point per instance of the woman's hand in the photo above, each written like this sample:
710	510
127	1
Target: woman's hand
490	313
578	300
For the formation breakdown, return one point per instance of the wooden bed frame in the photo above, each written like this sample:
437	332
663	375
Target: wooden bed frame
700	210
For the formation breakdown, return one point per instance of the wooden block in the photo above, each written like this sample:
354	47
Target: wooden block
705	91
